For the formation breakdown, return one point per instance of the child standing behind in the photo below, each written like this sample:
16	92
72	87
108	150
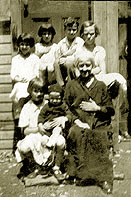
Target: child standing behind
46	52
66	48
51	121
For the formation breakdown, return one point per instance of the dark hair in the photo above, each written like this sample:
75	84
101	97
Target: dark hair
26	37
37	83
56	88
69	22
46	27
88	24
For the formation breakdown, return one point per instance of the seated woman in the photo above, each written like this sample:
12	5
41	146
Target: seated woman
87	141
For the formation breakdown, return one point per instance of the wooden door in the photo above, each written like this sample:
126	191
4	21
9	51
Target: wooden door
54	12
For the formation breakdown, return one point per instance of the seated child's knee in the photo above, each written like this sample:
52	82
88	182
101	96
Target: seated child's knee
23	146
57	131
44	140
61	142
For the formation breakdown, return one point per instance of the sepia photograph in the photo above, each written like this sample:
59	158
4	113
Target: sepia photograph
65	98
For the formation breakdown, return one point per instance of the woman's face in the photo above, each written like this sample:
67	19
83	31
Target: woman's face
24	48
47	37
71	32
89	35
85	68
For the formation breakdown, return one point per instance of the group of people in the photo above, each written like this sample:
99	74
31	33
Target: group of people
61	107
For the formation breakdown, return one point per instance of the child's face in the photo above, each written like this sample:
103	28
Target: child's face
37	95
46	37
55	98
24	48
71	31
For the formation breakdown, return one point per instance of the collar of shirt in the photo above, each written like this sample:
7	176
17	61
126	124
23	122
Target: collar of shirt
35	107
67	42
91	84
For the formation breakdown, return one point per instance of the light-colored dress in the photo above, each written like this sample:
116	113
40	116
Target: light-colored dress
47	59
26	68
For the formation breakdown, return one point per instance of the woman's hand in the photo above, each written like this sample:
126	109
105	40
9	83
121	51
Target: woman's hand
89	106
41	128
82	124
60	121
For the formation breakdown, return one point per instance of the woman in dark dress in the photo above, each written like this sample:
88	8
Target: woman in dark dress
87	141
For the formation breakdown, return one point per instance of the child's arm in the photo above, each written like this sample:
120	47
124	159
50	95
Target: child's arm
29	130
68	53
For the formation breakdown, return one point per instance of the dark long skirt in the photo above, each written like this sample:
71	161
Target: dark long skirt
89	154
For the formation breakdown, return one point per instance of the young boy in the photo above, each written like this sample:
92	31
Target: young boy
51	121
32	143
66	48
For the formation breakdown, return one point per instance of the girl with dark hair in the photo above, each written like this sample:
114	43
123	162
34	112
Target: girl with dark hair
24	67
45	51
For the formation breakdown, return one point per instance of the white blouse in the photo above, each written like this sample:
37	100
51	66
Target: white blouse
27	68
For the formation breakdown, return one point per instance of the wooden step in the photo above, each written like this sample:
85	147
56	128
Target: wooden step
5	107
4	79
5	49
6	144
5	69
5	88
6	126
5	59
6	116
5	38
6	135
4	98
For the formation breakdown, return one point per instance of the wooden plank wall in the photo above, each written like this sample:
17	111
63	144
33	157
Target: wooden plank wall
106	17
6	120
12	9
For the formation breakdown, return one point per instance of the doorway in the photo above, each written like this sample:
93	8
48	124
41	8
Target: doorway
54	12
